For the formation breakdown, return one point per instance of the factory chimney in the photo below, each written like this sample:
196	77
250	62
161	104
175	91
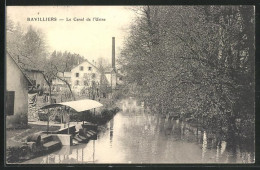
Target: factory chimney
113	53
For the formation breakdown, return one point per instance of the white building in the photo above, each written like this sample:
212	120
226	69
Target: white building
59	84
65	76
16	92
85	75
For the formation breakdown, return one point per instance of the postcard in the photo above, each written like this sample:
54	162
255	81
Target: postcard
130	84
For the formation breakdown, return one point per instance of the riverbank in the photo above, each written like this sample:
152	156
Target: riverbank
17	148
16	144
155	139
15	137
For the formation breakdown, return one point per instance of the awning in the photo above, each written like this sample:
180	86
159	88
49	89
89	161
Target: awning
79	105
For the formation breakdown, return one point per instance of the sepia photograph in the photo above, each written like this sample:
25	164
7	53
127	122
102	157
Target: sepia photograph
130	84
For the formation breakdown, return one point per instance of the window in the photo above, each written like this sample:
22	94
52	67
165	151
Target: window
77	74
85	75
93	75
10	102
81	68
33	82
89	68
85	83
77	82
120	78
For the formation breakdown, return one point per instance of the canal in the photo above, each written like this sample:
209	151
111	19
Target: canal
140	137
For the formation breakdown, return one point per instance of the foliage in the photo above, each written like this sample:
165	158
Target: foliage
15	153
43	116
65	61
102	118
197	60
17	121
28	47
105	116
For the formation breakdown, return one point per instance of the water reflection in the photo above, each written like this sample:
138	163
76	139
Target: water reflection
111	131
140	137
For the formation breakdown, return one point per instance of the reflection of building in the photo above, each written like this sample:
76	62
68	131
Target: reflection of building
16	99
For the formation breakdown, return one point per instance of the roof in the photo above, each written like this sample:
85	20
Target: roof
79	105
21	69
64	74
33	70
109	70
87	62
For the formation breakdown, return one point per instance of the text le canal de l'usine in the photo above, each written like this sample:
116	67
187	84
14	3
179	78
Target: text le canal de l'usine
54	19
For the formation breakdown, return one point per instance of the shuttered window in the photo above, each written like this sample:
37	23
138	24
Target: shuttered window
10	102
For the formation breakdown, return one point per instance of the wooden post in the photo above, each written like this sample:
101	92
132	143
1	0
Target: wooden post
69	122
93	151
48	114
61	115
77	154
64	117
83	117
82	155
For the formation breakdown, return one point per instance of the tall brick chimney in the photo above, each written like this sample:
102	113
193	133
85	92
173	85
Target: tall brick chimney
113	53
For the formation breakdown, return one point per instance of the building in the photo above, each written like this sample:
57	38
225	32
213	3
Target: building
36	77
64	76
111	73
59	84
16	96
85	77
111	76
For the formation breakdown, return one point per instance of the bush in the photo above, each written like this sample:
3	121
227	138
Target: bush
105	116
17	121
15	153
42	116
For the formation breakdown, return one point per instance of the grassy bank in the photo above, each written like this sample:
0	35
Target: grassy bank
15	137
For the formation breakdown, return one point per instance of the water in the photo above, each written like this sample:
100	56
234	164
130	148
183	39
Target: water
140	137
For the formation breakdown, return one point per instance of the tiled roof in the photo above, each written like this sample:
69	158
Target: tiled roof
87	62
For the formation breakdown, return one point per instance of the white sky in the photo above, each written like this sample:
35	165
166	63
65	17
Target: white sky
88	38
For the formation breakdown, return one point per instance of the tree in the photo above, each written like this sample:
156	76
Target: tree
63	62
192	60
28	48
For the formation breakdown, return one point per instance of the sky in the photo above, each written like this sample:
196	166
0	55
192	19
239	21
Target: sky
91	39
